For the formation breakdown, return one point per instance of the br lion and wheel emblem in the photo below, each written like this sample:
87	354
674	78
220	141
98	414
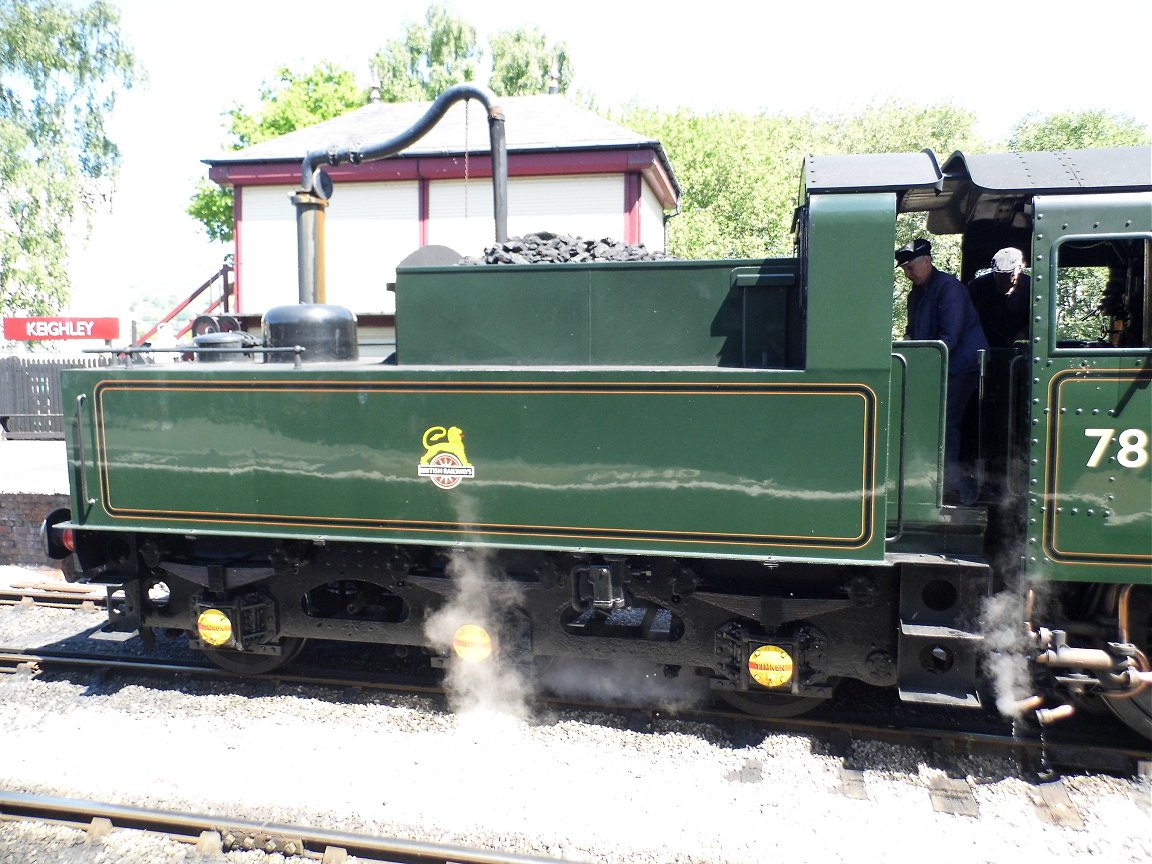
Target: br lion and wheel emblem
444	461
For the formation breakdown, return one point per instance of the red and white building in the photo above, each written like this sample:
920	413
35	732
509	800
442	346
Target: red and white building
570	171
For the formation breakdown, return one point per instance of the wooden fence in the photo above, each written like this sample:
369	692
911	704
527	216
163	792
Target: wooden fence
30	401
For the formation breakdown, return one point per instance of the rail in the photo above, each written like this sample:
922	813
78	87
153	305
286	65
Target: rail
215	834
224	299
1083	746
126	354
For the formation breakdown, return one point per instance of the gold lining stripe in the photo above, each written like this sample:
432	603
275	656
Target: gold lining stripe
1049	536
605	388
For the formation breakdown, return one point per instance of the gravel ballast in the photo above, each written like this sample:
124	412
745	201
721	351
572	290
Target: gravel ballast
576	786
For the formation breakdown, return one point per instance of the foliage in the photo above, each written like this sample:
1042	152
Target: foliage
429	59
289	101
523	64
730	167
897	127
213	206
1079	292
293	100
60	70
443	51
1076	130
418	67
739	172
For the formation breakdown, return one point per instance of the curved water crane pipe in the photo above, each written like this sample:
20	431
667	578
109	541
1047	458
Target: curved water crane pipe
316	185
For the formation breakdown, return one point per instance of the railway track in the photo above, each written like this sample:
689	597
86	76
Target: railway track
212	835
52	593
1043	753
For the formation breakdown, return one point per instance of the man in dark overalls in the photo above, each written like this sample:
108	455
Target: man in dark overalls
1002	295
940	308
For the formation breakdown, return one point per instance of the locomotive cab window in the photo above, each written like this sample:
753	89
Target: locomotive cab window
1101	297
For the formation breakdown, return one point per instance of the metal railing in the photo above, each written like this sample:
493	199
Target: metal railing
224	299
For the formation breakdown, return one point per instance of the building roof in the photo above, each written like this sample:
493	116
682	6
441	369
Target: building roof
533	124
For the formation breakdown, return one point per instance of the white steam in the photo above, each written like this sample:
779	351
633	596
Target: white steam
493	686
1007	648
625	682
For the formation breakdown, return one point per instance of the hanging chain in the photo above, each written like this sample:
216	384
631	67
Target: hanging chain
467	123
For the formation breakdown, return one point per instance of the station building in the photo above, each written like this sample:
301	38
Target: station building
570	171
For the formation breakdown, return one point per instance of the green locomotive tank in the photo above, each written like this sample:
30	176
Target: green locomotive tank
725	467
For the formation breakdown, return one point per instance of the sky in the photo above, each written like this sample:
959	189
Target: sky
1001	59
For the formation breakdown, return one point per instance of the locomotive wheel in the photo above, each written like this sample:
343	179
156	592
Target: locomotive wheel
770	704
1135	712
243	663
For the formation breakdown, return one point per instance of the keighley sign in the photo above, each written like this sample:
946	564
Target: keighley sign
36	329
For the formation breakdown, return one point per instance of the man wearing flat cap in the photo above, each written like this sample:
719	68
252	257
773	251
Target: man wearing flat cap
1001	297
940	308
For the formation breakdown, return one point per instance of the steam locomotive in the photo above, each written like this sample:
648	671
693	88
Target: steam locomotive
724	467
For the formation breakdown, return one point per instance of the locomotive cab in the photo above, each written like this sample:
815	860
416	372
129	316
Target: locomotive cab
1064	415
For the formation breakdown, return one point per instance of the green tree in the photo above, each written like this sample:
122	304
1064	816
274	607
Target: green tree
443	51
895	126
739	173
212	206
61	68
429	59
523	64
1073	130
291	100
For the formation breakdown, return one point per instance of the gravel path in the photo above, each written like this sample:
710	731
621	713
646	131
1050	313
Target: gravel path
574	786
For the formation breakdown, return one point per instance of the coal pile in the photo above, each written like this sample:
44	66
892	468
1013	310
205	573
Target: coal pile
546	247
